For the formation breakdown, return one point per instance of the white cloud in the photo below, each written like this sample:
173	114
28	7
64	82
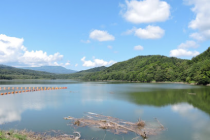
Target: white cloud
145	11
85	41
138	48
96	62
188	44
131	31
201	36
183	52
38	58
101	35
76	65
110	47
13	51
202	20
56	64
11	48
151	32
67	64
197	36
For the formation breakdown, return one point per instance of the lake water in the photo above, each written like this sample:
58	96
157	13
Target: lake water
185	116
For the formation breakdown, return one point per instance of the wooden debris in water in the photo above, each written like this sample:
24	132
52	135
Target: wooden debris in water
116	125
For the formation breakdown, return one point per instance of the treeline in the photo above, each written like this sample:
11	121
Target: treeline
158	68
5	77
141	68
9	73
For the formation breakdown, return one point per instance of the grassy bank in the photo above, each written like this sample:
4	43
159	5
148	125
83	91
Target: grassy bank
25	135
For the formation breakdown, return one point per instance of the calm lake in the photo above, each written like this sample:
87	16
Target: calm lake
185	116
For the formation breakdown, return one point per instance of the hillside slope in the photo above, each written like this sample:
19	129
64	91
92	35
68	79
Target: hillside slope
7	72
51	69
96	69
199	69
144	69
80	74
141	68
158	68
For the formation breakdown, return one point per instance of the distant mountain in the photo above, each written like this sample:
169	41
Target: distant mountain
7	72
51	69
149	68
80	74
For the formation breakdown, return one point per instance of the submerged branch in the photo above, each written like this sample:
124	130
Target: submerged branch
116	125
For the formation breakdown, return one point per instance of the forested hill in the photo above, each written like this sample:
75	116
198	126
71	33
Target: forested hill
158	68
51	69
199	69
202	57
141	68
7	72
96	69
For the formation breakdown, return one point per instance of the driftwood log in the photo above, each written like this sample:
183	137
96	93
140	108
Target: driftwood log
116	125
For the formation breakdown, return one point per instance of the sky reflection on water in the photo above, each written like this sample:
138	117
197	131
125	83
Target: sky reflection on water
185	116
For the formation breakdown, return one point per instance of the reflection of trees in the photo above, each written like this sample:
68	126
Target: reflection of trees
165	97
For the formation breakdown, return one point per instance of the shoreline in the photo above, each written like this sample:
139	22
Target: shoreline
29	135
164	82
123	81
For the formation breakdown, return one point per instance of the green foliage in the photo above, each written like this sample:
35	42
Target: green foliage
141	68
2	137
202	57
96	69
188	79
19	137
9	73
5	135
51	69
158	68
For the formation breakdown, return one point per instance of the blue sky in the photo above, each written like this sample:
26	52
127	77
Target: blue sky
81	34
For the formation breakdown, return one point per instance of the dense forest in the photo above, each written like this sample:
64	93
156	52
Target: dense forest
51	69
158	68
151	68
7	72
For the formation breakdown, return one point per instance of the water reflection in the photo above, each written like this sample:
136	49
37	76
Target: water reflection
186	116
201	126
94	92
12	106
160	97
